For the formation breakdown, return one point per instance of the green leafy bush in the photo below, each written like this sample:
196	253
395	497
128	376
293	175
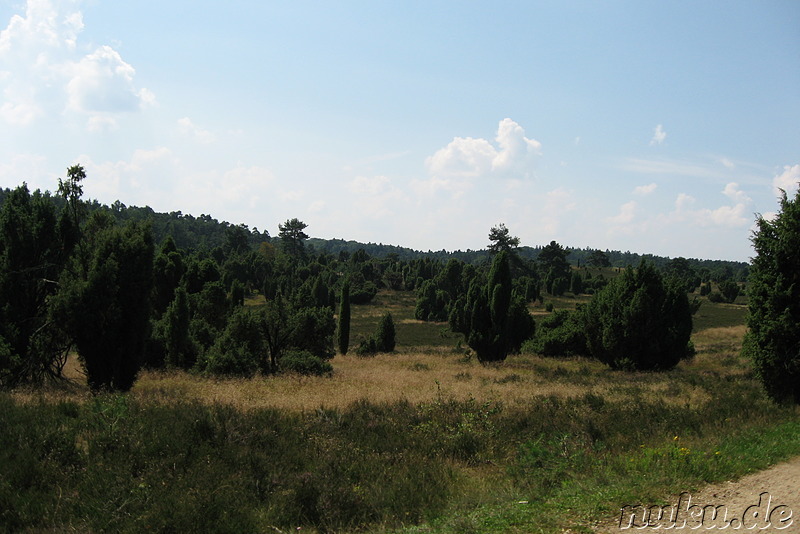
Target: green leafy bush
639	322
559	334
773	342
305	363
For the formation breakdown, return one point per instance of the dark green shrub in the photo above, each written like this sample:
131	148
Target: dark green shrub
313	331
716	296
343	334
305	363
240	348
559	334
773	342
385	336
729	289
639	322
494	322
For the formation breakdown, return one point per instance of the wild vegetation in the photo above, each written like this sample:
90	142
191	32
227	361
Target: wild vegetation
219	392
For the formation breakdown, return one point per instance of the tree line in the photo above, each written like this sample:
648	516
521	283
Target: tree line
77	276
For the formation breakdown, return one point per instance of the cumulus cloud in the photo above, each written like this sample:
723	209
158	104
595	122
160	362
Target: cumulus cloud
512	155
658	135
644	190
788	180
44	73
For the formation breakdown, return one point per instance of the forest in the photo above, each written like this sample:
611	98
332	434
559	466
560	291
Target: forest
125	298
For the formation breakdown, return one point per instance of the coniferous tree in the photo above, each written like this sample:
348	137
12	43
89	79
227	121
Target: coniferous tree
773	341
385	336
31	258
639	322
493	323
106	310
343	335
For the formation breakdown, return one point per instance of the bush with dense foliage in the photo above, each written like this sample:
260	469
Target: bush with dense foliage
305	363
639	322
773	341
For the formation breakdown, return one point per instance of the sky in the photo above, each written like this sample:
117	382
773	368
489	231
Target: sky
649	126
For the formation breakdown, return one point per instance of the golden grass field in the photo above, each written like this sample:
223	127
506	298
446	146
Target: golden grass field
422	375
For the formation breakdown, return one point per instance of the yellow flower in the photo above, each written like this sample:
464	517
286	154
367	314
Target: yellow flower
676	438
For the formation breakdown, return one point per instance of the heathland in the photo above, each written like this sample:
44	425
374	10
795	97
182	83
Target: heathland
425	439
176	374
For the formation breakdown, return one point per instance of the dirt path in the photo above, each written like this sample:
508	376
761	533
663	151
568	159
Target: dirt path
767	501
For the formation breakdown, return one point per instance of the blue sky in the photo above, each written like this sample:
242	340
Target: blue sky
657	127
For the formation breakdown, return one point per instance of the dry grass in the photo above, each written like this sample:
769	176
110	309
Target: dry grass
422	376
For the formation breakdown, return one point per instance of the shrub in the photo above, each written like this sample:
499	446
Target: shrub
729	289
639	322
716	296
773	342
559	334
305	363
493	321
385	336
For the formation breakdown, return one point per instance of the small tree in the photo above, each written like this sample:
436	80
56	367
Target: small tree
106	311
385	336
773	342
493	323
343	335
639	322
292	236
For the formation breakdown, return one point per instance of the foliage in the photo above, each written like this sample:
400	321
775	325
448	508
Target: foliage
729	289
494	322
179	349
385	336
559	334
313	330
383	340
105	310
32	255
773	342
501	240
292	236
305	363
343	333
639	322
240	349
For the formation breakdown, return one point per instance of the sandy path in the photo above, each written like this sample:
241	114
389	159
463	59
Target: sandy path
748	503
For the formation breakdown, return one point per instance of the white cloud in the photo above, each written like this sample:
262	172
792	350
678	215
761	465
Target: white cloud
658	135
44	74
732	192
644	190
732	216
626	214
467	157
788	179
188	128
727	163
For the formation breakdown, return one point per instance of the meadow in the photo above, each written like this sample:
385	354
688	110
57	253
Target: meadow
425	439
